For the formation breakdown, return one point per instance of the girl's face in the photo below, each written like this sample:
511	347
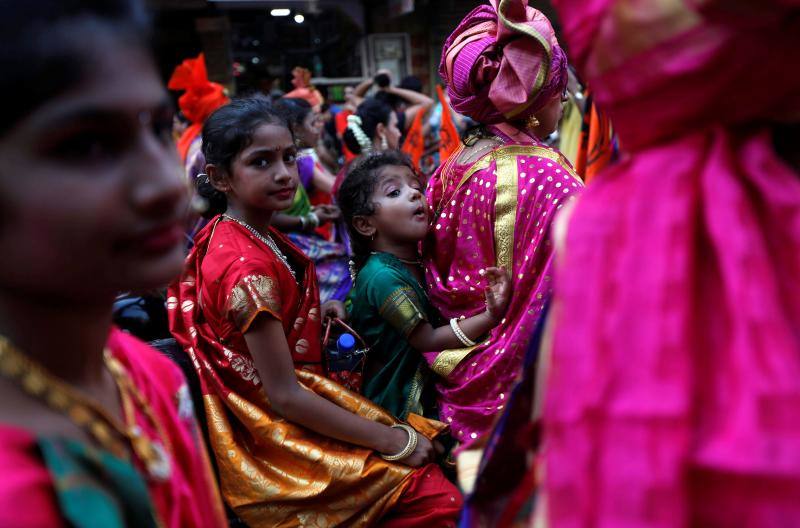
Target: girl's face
391	132
401	213
92	195
310	130
263	176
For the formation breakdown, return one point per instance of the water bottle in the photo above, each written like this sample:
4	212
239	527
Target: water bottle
345	345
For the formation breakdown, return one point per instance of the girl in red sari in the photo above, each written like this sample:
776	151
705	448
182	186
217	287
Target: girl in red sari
293	448
96	428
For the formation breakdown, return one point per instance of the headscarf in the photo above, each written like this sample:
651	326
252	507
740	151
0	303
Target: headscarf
200	99
301	80
502	64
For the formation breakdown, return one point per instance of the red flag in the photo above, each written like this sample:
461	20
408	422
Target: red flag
414	145
448	134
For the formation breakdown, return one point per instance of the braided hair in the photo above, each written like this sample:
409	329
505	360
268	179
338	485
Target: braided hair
355	197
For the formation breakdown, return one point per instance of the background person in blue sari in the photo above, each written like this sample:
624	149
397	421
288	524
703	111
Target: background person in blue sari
311	221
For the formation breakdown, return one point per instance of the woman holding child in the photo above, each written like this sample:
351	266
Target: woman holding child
494	200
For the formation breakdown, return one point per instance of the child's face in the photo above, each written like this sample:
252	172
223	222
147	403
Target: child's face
264	174
401	213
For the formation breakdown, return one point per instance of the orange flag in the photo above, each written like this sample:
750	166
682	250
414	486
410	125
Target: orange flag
448	134
414	145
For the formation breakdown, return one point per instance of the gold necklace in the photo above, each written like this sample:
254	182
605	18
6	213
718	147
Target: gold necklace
90	416
266	240
446	180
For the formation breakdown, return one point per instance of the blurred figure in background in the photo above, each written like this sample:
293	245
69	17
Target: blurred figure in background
97	428
675	382
405	100
311	221
303	89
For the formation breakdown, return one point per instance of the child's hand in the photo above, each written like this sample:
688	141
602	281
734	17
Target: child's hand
327	213
498	292
333	309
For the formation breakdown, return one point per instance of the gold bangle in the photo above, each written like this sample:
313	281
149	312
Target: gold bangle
410	447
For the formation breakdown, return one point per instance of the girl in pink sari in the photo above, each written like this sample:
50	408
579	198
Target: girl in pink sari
674	397
494	200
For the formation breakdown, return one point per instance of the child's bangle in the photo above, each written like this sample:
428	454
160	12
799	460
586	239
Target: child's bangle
466	341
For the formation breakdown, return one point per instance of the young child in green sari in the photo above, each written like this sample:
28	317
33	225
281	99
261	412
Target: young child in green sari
384	207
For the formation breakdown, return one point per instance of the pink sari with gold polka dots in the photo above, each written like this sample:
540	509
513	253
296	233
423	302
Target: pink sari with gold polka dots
496	211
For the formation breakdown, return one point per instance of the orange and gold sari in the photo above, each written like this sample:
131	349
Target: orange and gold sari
274	472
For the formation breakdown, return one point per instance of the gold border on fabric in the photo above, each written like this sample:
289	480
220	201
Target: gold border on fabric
505	220
414	394
447	360
480	164
505	208
252	295
402	309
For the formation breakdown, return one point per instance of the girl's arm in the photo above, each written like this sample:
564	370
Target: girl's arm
285	222
498	295
417	102
363	87
323	179
267	344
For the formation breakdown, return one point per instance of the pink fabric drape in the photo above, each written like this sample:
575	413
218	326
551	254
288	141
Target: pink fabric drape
674	394
496	211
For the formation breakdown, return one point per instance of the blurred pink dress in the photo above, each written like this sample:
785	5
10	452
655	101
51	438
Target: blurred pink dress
674	394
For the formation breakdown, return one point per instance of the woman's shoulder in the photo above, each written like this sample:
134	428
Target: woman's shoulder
231	248
145	364
550	159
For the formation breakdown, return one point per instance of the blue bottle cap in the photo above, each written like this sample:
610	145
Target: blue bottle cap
346	343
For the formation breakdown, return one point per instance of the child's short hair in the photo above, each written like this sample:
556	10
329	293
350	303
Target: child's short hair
355	194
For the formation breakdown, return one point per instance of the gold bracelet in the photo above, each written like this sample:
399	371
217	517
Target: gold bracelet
465	340
410	447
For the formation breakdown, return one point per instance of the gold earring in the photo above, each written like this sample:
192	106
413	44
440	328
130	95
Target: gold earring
532	122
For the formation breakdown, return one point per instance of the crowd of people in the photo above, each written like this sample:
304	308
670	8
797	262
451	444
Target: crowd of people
582	311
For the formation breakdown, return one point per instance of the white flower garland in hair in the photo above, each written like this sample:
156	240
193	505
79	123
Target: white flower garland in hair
354	124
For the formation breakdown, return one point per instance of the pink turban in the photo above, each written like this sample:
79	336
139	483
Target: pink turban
503	70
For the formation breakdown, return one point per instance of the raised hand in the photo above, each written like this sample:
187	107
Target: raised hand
498	292
334	309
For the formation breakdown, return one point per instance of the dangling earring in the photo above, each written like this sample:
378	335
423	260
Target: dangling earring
532	122
384	143
372	237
